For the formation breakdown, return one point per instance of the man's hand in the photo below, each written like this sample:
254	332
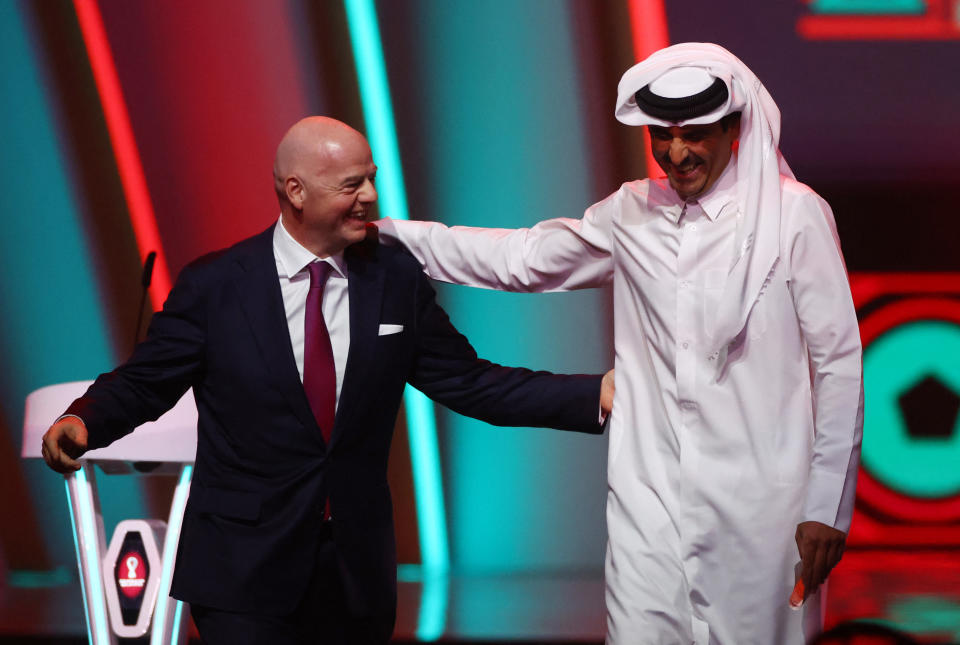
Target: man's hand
63	444
607	389
820	548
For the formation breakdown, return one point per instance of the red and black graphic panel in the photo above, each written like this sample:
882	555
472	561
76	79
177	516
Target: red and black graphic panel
908	491
131	573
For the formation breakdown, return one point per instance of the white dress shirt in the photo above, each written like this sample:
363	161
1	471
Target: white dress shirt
713	459
292	261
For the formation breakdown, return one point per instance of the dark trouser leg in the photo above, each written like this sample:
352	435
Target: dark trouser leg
218	627
322	617
326	618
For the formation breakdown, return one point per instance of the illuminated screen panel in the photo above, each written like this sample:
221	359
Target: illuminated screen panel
909	485
881	20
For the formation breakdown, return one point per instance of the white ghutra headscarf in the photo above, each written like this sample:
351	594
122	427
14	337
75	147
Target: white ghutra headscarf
759	165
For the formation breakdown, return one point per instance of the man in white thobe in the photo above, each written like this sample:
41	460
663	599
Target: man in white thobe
736	427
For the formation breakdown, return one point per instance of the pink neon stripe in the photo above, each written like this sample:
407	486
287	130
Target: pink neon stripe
124	146
648	25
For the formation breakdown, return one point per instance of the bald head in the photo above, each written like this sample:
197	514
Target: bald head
324	177
311	145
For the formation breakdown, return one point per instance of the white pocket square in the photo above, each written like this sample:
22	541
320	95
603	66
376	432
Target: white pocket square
386	330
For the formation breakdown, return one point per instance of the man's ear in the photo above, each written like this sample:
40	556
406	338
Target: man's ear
295	191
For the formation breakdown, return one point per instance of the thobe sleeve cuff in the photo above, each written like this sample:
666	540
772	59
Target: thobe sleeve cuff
823	502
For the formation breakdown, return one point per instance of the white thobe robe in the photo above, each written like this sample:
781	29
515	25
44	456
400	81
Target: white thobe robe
713	459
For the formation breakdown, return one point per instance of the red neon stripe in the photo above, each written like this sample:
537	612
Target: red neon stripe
648	25
876	28
124	146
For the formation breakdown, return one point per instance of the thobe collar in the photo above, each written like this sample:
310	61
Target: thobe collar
294	258
722	194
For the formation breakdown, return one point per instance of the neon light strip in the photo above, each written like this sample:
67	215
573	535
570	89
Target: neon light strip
170	541
177	620
434	595
83	577
869	7
98	632
421	423
124	146
648	26
822	27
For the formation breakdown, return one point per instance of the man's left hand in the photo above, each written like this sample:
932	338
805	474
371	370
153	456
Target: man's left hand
820	548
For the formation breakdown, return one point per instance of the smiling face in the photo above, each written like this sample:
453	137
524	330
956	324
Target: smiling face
694	156
325	181
336	196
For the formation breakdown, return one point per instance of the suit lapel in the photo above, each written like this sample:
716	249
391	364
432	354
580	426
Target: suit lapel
262	302
365	286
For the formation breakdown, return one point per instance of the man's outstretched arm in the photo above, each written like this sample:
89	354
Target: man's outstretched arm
448	370
160	370
555	255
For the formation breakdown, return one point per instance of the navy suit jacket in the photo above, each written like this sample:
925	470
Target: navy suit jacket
263	472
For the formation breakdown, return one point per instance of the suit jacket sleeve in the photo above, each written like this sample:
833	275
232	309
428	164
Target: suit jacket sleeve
448	370
156	375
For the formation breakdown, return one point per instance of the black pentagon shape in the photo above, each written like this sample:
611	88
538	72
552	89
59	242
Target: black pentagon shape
930	409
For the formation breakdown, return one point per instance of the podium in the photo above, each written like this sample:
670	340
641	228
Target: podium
126	587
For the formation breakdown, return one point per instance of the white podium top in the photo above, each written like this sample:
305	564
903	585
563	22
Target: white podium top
170	439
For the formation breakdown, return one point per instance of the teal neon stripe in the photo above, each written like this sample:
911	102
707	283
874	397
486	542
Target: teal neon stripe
76	548
869	7
377	106
381	132
98	601
177	618
169	559
434	596
432	620
425	460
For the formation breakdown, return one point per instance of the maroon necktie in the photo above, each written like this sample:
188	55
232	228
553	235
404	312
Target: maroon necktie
319	374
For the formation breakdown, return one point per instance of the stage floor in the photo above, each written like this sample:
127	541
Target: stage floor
914	591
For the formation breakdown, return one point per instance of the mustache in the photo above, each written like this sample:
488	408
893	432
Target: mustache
687	164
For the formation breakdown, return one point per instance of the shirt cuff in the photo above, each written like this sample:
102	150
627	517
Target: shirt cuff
387	231
824	491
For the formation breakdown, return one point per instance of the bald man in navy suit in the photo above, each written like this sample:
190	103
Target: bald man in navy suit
288	532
